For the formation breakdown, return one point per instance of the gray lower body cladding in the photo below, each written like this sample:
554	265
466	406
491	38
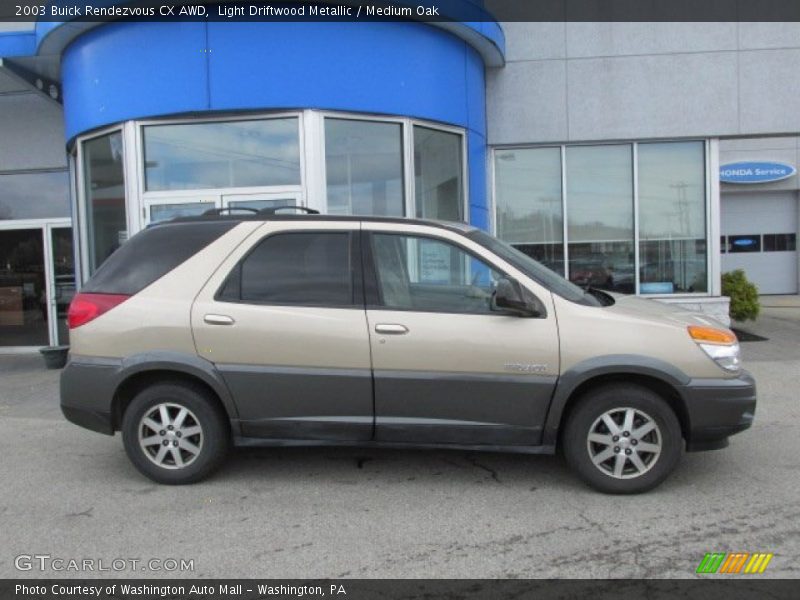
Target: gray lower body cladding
336	406
717	409
87	393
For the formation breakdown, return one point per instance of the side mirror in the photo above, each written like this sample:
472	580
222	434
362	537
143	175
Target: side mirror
508	297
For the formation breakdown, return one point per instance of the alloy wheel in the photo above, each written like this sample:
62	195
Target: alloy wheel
624	443
170	435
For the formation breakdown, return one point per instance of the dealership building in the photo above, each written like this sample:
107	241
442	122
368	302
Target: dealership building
643	158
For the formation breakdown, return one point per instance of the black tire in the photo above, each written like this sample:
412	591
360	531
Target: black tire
586	419
212	442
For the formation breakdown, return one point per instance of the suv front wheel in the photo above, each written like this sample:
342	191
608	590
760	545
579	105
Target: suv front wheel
622	439
174	433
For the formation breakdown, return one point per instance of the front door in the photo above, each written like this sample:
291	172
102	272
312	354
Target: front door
447	368
283	320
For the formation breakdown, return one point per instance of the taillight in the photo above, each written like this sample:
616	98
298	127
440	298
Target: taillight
87	307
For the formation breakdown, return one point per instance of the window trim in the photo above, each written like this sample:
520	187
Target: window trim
82	267
141	167
407	139
356	271
311	192
372	288
711	273
408	192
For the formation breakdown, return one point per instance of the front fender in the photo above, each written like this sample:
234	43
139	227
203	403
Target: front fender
614	364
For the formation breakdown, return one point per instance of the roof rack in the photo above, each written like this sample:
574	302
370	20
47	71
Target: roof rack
274	209
219	211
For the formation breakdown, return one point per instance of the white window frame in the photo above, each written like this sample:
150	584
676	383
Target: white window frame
711	164
311	192
82	235
148	198
407	140
45	227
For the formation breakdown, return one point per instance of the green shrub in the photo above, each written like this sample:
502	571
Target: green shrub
743	295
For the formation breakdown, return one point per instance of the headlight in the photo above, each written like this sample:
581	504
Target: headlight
726	357
721	345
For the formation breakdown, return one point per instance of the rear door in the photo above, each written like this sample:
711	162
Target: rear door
447	368
283	320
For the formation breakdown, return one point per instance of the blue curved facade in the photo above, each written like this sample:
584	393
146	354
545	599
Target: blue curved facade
126	70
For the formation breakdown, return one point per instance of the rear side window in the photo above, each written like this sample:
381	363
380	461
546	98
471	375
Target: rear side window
302	268
151	254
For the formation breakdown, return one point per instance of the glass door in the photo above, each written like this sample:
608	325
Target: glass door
23	289
62	281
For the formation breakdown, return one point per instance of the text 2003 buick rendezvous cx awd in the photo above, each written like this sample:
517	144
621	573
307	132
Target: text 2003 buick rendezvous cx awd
307	329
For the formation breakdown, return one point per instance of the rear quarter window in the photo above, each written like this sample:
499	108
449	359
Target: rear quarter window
151	254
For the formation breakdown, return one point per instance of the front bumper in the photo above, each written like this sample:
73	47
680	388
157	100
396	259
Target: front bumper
87	393
717	409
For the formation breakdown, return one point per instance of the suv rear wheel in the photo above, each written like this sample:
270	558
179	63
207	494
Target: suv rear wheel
174	433
622	439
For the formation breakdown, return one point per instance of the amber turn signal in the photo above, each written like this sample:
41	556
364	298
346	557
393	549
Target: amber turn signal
711	335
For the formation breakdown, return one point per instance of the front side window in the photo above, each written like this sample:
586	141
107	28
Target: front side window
364	168
228	154
431	275
104	189
303	268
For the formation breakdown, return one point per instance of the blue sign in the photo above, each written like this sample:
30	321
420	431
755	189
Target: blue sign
755	172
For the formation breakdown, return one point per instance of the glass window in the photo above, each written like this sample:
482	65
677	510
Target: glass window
438	174
165	212
34	195
23	300
533	269
364	167
426	274
780	242
64	272
104	186
305	268
222	155
600	216
744	243
151	254
672	218
262	204
529	205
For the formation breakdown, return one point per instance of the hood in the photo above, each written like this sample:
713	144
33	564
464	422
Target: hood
654	310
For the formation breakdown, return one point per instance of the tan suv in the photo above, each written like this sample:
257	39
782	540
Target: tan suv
305	329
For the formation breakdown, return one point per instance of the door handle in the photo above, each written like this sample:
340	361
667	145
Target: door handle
391	328
218	320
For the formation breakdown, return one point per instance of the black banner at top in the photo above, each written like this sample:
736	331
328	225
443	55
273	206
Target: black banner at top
395	10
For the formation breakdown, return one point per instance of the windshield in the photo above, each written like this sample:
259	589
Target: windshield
533	269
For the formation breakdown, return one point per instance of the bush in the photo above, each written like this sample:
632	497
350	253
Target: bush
743	295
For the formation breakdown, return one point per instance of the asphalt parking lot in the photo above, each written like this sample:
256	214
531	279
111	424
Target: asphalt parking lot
296	513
